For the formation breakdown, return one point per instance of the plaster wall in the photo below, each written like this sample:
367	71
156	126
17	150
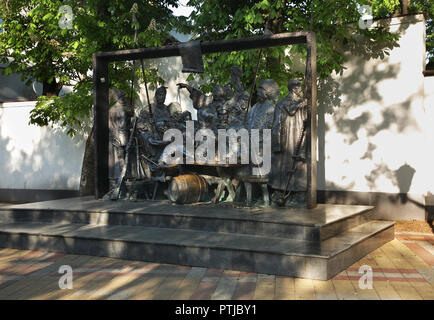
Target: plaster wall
374	124
32	157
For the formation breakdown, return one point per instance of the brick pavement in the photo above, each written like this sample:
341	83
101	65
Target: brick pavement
402	269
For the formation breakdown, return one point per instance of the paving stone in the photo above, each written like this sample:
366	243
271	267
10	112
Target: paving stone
225	289
400	270
265	289
204	291
105	278
285	289
244	291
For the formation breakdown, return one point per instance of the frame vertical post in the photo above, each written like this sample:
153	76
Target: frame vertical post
100	113
311	132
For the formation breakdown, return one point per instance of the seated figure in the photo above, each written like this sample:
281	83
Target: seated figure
161	111
178	116
150	145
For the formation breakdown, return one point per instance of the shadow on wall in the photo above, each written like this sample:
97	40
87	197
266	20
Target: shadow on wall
366	106
404	176
51	161
343	98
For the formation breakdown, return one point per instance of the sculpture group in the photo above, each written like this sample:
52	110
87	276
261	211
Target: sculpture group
137	146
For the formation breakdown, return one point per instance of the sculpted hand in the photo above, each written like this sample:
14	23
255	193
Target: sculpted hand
182	85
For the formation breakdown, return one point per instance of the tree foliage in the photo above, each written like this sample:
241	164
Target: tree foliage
334	22
426	7
35	46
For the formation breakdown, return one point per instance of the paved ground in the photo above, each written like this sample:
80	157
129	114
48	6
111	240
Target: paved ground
402	269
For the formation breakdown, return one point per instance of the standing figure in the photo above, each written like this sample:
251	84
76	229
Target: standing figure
288	136
237	105
221	95
119	119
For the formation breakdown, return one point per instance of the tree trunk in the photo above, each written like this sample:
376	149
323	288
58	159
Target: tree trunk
87	180
51	89
404	6
275	26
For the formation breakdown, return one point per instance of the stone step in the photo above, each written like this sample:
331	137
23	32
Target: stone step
317	224
253	253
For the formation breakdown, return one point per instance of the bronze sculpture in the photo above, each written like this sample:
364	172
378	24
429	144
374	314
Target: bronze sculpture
226	108
119	125
288	173
237	105
261	115
199	99
161	111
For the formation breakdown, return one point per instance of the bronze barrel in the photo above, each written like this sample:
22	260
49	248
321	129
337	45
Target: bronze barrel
188	188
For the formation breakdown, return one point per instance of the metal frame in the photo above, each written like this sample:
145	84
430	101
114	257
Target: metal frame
101	95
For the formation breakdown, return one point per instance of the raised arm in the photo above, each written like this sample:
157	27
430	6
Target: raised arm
185	86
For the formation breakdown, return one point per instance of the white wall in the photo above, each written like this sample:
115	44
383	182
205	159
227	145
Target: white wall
429	154
36	158
373	124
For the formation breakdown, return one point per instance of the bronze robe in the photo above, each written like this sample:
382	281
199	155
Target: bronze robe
287	127
119	120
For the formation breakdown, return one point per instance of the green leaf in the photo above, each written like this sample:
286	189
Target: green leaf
48	16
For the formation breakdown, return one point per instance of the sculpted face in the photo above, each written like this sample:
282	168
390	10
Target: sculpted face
228	92
268	90
262	94
175	109
221	94
160	96
218	93
294	86
245	100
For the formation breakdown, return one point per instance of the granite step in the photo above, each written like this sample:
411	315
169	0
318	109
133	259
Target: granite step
245	252
317	224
